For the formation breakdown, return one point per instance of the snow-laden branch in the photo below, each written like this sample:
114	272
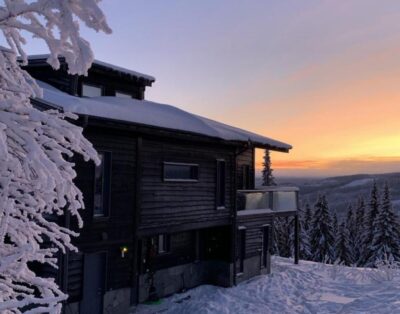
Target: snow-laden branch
36	176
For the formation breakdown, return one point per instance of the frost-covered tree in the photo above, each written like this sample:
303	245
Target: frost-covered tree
386	239
304	219
350	225
335	230
342	247
284	236
367	234
36	176
321	236
307	217
359	226
267	176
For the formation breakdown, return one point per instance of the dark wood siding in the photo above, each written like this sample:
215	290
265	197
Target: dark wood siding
245	158
253	224
110	233
176	206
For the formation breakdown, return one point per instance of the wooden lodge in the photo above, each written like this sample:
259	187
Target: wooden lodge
173	204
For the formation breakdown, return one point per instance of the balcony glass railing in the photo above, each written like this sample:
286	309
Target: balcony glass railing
274	199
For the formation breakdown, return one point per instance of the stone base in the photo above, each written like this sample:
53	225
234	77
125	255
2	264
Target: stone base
179	278
251	268
117	301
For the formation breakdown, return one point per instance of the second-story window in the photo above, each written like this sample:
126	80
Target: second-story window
220	183
174	171
91	90
102	180
246	177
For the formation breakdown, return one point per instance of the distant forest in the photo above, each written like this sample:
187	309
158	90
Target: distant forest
366	235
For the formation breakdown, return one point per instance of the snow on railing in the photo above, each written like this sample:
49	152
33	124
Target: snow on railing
268	199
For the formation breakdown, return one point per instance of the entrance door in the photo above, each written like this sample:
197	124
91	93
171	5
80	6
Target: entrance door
93	283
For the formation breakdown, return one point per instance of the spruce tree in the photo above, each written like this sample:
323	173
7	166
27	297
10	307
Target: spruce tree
351	227
305	247
368	232
267	176
307	217
304	225
335	229
321	235
359	226
342	247
386	233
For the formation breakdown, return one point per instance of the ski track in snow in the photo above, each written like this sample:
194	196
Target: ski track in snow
306	288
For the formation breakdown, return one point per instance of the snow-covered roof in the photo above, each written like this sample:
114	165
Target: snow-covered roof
104	64
154	114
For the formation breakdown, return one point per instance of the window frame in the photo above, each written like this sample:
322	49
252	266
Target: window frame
165	163
166	243
220	194
106	186
92	85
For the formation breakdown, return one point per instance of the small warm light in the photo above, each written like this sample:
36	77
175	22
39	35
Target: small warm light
124	250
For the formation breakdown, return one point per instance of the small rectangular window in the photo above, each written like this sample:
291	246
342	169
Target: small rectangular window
180	172
162	244
102	178
91	91
221	178
246	177
122	95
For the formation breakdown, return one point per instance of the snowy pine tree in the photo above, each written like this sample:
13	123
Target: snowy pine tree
267	176
36	178
304	219
335	229
367	233
351	227
359	226
307	217
342	247
386	233
322	240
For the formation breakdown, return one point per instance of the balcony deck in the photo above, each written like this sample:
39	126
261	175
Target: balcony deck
274	200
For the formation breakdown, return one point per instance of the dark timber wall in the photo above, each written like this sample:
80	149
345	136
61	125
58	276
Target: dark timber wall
108	234
178	206
253	224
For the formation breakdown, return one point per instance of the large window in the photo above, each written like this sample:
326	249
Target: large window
91	91
221	179
180	172
102	178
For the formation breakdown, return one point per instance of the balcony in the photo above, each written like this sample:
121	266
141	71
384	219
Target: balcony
278	200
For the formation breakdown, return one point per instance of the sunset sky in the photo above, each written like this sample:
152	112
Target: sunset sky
323	76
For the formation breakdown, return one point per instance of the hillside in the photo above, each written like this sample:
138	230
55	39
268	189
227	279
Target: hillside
343	190
305	288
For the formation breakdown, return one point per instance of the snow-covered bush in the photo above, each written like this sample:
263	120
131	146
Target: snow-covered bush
36	178
386	269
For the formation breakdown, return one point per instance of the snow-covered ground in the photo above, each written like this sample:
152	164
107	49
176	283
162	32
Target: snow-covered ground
306	288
